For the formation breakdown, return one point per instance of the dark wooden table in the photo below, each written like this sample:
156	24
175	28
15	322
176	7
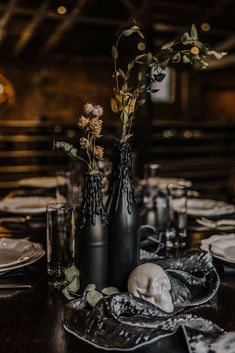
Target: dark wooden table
31	321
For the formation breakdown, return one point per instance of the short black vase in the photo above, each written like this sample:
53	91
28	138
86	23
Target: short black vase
123	219
92	238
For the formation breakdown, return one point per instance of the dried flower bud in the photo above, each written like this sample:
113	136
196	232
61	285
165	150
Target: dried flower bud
99	152
95	126
83	122
88	107
97	111
84	143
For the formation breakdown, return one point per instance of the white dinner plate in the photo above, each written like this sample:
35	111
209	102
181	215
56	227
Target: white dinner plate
41	182
162	183
27	204
205	207
17	253
222	247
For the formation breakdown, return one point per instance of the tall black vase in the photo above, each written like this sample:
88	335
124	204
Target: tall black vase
123	219
92	237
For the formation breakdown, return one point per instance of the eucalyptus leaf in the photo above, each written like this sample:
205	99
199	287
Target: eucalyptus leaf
194	33
140	34
164	64
142	88
185	37
155	64
89	287
140	75
168	45
199	44
71	272
127	32
149	58
124	87
186	59
188	42
217	55
139	57
93	297
130	65
74	285
67	294
111	290
135	28
73	152
127	137
176	58
136	93
123	76
114	52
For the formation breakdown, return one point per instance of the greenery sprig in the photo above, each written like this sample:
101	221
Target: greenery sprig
90	293
91	125
127	99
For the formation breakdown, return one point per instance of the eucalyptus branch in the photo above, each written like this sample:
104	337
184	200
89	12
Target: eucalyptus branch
188	49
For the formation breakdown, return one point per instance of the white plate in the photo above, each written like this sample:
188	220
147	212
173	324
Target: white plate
205	207
24	264
224	248
28	204
162	183
41	182
219	245
16	253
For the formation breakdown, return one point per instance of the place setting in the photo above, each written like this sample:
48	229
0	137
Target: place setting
222	248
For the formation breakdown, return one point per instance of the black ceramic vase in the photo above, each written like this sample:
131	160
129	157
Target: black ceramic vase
92	237
123	219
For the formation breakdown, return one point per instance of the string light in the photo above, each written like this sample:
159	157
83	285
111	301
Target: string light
195	50
141	46
61	10
205	27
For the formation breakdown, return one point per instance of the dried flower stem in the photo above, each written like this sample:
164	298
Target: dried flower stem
91	127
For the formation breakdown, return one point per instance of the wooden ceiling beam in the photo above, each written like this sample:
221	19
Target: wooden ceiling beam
226	44
31	28
6	16
63	27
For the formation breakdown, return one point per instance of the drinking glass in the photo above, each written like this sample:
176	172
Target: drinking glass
68	189
149	214
61	230
151	170
176	231
105	167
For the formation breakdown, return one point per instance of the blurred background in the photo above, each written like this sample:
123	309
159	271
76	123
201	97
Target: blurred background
56	55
